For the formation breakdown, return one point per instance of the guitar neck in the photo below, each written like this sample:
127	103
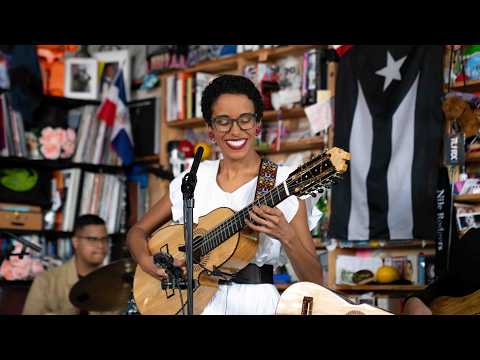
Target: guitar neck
236	223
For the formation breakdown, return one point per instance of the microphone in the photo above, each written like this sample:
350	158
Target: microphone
196	160
190	179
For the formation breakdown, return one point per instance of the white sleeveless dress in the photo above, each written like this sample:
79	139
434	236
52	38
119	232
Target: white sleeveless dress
240	299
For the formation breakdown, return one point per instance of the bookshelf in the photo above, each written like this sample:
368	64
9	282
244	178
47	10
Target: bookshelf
232	63
177	129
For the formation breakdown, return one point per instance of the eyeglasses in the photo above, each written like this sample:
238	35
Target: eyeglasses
224	123
95	240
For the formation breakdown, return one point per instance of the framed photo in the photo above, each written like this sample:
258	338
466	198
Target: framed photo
81	78
108	66
468	219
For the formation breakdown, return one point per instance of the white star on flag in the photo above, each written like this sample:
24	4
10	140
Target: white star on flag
391	71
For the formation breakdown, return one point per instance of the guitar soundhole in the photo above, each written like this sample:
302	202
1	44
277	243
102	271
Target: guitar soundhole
354	312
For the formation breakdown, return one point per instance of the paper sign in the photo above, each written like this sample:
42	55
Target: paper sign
320	115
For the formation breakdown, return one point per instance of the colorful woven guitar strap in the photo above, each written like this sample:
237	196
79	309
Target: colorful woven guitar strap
266	178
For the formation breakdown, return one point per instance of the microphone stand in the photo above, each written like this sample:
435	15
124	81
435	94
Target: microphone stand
188	188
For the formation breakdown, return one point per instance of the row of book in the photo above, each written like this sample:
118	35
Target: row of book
287	82
105	195
12	133
93	137
184	94
100	194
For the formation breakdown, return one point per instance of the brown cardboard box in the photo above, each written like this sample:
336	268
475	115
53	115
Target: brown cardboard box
20	217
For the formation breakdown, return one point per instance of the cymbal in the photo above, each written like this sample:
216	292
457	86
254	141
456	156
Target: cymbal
105	289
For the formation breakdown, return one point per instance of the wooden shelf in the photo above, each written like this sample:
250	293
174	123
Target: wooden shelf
392	244
231	63
277	53
187	123
268	116
314	143
469	198
468	86
285	114
379	287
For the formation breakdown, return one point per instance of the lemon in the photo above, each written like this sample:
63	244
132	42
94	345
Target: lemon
387	274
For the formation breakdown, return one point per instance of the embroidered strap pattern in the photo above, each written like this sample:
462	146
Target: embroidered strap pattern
266	178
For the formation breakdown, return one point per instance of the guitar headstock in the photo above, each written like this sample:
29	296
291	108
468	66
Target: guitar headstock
319	173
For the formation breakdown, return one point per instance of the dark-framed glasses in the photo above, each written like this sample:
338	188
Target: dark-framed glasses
224	123
96	240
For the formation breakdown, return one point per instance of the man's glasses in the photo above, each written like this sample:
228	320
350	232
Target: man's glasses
95	240
224	123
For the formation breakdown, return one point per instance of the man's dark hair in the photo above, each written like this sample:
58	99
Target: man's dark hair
230	84
86	220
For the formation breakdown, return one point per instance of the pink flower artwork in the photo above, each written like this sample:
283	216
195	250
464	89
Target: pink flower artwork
57	143
51	150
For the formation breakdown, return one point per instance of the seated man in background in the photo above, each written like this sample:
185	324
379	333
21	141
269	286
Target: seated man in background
462	279
49	293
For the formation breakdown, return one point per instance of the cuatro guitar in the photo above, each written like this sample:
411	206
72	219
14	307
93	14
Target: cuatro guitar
221	244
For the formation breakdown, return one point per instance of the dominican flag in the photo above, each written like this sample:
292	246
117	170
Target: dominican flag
114	114
389	117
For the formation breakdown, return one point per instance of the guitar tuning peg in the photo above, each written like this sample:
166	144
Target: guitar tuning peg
314	195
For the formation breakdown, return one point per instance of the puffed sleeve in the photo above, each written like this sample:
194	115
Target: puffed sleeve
176	197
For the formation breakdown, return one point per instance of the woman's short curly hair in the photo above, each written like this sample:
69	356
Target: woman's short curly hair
230	84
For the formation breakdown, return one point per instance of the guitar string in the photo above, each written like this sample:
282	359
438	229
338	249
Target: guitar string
212	236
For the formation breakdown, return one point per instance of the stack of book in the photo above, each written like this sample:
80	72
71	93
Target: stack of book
12	132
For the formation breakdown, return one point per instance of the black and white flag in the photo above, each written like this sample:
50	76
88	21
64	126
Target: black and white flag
389	117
